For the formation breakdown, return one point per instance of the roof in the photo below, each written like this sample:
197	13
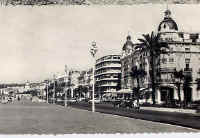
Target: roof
128	42
170	21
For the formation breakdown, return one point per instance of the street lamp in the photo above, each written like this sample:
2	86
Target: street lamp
93	51
54	90
47	94
66	70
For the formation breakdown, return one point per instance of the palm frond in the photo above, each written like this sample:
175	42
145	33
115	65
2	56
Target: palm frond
142	40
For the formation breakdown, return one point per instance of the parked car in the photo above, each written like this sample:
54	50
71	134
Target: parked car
86	100
106	100
4	101
80	99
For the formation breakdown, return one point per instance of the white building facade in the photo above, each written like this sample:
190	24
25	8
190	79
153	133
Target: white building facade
183	54
107	74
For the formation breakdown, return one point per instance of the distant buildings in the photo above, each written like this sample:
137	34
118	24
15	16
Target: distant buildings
85	82
107	75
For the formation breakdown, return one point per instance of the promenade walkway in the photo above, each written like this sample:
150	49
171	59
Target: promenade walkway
25	117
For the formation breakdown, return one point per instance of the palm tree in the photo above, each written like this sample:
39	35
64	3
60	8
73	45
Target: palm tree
187	79
153	45
137	73
198	83
180	76
186	87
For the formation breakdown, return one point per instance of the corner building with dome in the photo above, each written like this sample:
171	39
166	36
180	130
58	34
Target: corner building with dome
183	54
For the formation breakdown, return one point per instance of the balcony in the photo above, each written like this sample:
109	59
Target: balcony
108	72
166	70
165	80
105	60
188	69
107	79
109	85
109	66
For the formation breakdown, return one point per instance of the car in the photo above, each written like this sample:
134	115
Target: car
80	99
4	101
95	100
59	100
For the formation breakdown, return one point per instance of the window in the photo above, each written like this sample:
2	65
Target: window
187	49
163	95
187	60
171	49
164	60
198	71
187	66
171	59
181	35
168	39
194	37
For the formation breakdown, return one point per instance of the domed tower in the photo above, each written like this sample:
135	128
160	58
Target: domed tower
167	24
128	46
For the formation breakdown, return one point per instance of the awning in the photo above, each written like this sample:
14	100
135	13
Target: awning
124	91
144	91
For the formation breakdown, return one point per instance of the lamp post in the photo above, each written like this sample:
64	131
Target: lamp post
54	88
47	95
66	70
93	51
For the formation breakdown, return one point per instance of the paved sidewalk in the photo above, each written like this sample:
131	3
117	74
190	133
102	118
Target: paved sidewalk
175	110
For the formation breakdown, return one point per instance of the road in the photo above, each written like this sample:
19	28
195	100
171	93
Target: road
41	118
175	118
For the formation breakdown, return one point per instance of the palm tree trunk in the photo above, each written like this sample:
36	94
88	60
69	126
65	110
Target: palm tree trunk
179	94
138	90
153	78
185	97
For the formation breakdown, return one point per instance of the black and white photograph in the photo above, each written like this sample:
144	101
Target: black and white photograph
131	69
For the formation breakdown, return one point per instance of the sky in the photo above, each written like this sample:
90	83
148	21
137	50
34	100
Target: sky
37	42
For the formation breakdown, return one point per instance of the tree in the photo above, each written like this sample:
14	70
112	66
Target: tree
186	87
198	83
82	91
180	76
186	80
152	45
137	73
118	87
